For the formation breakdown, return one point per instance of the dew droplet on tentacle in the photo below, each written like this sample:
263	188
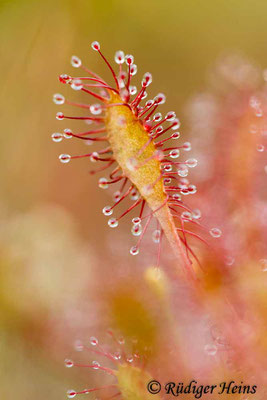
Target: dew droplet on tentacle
102	183
94	156
133	70
263	263
119	57
93	341
71	394
56	137
136	221
182	171
174	153
95	364
96	109
210	349
58	99
191	162
196	214
78	346
170	116
116	196
187	146
107	210
136	230
186	215
64	158
113	223
260	148
68	363
156	236
215	232
67	133
134	251
157	117
76	84
75	62
60	116
175	135
95	46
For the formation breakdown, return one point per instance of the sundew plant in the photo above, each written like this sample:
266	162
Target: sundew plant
199	315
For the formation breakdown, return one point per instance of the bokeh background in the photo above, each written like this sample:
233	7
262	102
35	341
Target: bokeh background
53	234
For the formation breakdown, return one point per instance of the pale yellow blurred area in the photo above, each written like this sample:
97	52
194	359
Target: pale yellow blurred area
52	229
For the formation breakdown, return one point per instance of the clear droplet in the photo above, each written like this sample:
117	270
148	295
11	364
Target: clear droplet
136	221
107	211
187	146
177	197
58	99
176	124
130	359
117	355
144	95
260	148
95	45
113	223
167	167
102	183
175	135
64	78
134	251
60	116
147	79
76	84
133	90
78	346
121	340
64	158
93	341
56	137
94	156
210	349
134	194
71	394
96	109
119	57
136	230
191	162
216	232
129	59
68	363
95	364
192	189
133	70
157	117
167	181
159	129
186	215
182	171
229	260
75	62
170	116
67	133
116	196
160	98
263	263
259	112
174	153
156	236
196	214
